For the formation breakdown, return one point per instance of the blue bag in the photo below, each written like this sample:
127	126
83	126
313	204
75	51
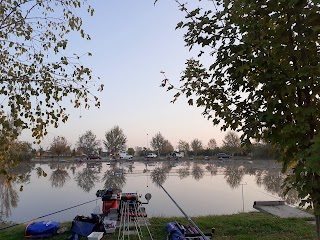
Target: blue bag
174	232
42	229
85	225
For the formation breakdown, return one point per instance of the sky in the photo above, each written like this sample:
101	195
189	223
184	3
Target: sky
132	41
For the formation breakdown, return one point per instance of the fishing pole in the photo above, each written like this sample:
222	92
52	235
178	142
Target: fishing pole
187	217
17	224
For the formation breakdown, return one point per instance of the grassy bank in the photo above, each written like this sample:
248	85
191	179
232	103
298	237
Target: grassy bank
239	226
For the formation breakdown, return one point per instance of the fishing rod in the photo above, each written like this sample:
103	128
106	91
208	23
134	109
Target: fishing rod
187	217
17	224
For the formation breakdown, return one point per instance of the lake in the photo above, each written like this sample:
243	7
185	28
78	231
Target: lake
199	187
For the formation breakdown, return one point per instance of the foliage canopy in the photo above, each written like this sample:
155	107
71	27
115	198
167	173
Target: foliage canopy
88	143
60	146
257	72
231	142
196	145
37	73
161	145
115	140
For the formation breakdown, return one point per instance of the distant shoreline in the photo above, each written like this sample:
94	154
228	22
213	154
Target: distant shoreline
144	159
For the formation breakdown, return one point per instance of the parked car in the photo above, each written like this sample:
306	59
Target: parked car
125	155
152	155
223	155
177	154
93	156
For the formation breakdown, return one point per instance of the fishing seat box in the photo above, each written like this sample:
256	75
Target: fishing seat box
109	201
42	229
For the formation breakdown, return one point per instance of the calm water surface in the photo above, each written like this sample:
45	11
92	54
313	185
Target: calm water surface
200	188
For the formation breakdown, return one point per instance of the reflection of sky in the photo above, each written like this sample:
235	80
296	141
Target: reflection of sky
209	195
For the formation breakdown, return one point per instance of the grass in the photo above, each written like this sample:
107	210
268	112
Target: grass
243	226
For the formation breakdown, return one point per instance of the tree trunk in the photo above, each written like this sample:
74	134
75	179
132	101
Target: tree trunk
317	217
316	207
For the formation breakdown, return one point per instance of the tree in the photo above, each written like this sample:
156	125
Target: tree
231	142
196	145
21	151
167	147
37	75
158	142
131	151
212	144
183	146
88	143
60	146
40	152
140	151
262	150
263	79
212	147
115	140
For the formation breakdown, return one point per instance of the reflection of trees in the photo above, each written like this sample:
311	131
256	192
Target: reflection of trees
53	165
259	176
291	197
22	173
126	165
73	169
8	197
250	170
183	172
114	178
212	169
159	176
234	175
59	177
197	172
86	178
24	179
167	166
272	182
130	168
186	163
99	167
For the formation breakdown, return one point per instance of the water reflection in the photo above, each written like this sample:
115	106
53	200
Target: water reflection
272	181
130	168
9	197
212	169
183	172
87	178
234	175
115	175
250	170
197	171
159	175
167	166
59	177
114	178
73	169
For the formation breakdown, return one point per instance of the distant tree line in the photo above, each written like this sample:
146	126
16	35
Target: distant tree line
115	141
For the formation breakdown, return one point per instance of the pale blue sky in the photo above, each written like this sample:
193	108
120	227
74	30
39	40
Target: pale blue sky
132	41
